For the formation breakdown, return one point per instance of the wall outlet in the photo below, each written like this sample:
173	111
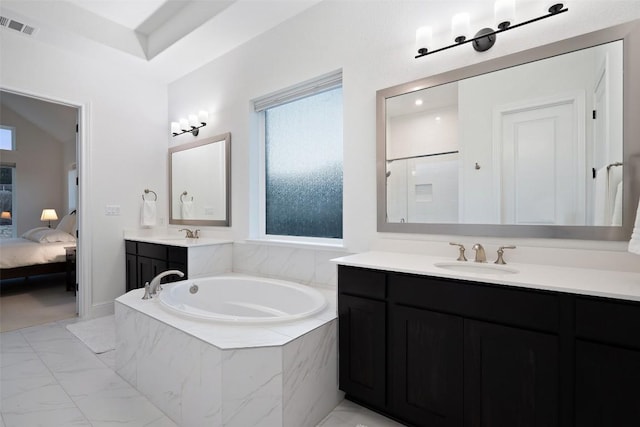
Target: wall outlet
112	210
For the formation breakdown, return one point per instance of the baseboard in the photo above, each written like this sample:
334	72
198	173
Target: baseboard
100	310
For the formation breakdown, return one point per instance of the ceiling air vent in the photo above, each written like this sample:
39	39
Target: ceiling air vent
18	26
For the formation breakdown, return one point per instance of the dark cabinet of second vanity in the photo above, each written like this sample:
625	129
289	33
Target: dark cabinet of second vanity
429	351
145	260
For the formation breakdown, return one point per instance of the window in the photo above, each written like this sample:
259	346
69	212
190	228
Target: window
7	220
7	138
303	161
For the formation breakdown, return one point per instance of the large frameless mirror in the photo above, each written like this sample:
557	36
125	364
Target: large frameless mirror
199	182
536	144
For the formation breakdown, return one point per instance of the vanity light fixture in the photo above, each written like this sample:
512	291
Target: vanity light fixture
192	124
485	38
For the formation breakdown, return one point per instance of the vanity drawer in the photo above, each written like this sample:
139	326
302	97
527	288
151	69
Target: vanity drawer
177	255
493	303
614	322
151	250
130	247
362	282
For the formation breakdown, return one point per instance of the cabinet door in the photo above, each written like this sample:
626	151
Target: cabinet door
426	366
511	377
607	385
132	272
148	268
362	341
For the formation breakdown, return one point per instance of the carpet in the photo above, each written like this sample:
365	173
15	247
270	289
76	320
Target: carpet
98	334
36	301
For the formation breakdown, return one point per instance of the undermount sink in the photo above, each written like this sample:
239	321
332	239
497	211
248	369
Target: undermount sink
476	268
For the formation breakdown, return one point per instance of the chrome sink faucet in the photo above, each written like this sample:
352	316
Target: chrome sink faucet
189	234
151	288
480	255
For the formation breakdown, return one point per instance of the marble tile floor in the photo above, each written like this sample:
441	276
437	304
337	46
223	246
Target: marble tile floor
49	378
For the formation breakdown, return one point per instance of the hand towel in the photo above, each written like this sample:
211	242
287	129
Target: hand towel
186	209
634	243
148	213
616	217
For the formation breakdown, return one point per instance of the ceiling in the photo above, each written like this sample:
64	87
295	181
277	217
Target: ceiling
57	120
164	38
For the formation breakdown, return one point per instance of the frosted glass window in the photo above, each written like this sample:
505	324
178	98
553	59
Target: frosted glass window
303	174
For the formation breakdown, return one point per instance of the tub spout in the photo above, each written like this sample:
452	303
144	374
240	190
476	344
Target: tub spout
154	285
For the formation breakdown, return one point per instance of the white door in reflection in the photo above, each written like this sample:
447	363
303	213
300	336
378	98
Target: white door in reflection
543	164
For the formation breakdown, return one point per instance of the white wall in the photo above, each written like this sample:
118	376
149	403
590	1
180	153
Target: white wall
373	44
126	129
40	174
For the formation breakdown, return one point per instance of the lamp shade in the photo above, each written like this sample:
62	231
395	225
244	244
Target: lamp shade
424	37
203	116
175	127
5	215
184	124
193	120
48	215
505	13
460	27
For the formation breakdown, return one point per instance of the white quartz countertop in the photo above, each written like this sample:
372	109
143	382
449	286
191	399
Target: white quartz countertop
601	283
179	241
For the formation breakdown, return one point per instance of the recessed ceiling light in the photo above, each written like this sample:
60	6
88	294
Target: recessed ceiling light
438	118
418	101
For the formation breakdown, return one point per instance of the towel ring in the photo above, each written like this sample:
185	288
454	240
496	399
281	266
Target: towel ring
184	193
147	191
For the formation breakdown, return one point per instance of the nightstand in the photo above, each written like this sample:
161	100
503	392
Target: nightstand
71	267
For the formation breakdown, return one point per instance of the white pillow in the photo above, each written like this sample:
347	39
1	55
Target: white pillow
27	234
68	224
50	235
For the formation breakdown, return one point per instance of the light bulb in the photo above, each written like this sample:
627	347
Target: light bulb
175	127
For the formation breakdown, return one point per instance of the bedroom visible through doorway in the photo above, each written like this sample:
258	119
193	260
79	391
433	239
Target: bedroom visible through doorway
38	253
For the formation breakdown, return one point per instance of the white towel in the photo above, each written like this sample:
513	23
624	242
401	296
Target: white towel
148	213
616	217
186	209
634	243
605	187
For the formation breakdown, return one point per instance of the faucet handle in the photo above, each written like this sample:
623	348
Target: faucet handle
501	249
460	246
147	295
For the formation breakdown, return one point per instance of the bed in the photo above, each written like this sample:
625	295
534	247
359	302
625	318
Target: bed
38	251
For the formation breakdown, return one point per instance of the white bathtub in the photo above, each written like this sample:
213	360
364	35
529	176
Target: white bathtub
237	299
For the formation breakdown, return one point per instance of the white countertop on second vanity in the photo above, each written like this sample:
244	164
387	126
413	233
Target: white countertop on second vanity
602	283
178	241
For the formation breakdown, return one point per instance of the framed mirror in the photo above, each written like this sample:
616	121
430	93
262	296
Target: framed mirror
542	143
200	182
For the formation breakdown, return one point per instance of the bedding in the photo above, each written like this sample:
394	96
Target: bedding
22	252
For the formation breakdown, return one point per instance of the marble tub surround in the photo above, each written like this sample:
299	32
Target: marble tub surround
584	281
204	373
307	265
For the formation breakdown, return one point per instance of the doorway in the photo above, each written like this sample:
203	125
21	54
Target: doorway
52	123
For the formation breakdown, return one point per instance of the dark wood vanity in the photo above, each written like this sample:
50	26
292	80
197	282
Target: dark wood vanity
145	260
431	351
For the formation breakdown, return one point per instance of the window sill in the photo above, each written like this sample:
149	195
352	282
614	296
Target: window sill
339	246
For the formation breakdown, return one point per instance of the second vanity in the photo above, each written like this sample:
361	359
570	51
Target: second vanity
145	257
429	342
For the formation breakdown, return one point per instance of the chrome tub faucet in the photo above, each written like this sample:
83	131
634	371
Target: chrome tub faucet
152	288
